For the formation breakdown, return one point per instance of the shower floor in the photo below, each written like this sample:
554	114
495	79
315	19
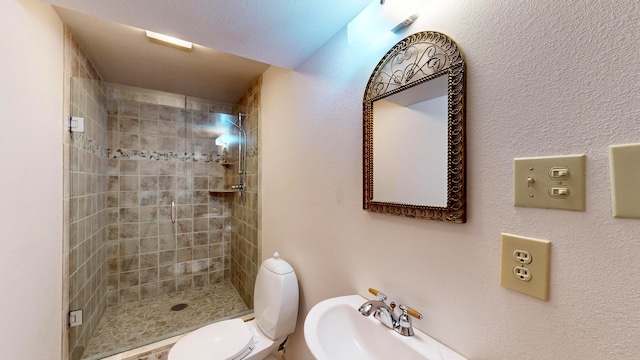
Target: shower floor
131	325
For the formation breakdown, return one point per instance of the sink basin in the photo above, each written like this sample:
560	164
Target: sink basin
335	330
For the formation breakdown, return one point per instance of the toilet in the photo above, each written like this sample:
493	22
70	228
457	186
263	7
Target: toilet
276	311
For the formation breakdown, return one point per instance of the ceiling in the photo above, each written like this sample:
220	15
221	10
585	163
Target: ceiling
236	40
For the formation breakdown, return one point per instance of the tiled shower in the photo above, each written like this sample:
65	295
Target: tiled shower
145	154
162	155
85	228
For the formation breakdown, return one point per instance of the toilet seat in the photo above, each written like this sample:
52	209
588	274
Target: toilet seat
275	308
213	342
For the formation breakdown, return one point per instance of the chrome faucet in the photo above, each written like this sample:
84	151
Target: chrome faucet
386	313
381	311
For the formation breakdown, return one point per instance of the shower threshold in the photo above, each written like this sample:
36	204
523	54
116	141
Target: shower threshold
128	326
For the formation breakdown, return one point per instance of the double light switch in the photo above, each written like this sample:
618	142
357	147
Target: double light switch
552	182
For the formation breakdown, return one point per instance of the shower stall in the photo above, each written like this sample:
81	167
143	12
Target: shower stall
163	218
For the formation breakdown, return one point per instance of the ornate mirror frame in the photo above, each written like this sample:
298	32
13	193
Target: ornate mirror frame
419	58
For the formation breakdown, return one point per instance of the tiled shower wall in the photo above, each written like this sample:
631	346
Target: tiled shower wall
245	247
162	151
85	156
117	250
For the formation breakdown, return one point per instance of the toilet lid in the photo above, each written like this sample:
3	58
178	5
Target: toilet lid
223	340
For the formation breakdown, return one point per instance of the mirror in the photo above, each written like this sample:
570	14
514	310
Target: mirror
414	131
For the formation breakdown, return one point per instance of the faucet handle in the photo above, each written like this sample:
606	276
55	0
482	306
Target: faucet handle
405	327
411	311
379	294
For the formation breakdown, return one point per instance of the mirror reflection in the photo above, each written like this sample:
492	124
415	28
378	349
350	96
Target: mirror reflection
414	131
409	169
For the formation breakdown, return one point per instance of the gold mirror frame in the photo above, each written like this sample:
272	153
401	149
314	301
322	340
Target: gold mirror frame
417	59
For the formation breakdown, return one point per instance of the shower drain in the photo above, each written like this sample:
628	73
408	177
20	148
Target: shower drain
179	307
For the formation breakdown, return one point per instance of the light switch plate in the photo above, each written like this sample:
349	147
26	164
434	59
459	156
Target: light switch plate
525	265
552	182
625	176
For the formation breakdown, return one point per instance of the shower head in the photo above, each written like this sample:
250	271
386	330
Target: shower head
239	127
229	119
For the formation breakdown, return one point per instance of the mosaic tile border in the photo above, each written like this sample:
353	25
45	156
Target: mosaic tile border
134	154
81	141
252	151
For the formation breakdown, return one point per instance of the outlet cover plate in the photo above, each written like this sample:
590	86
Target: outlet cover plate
625	176
540	250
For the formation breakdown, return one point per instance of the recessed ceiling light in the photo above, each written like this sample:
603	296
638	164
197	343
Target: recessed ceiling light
168	40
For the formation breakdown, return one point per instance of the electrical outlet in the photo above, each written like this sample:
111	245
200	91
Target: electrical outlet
525	265
522	273
522	256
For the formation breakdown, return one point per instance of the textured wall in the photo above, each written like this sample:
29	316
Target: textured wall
31	100
544	78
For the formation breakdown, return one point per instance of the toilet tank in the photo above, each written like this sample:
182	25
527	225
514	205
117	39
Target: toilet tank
276	298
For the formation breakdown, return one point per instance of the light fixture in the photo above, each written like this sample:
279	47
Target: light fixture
168	40
381	17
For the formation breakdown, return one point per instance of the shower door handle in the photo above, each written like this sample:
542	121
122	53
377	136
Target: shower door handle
173	212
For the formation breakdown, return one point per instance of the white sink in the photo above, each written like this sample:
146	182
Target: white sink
335	330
